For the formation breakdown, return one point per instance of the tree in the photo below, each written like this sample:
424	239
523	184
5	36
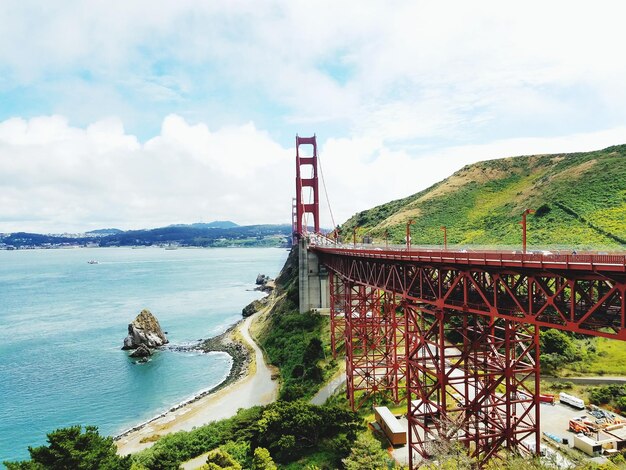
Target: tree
240	451
290	429
262	460
287	429
70	448
219	459
367	454
557	342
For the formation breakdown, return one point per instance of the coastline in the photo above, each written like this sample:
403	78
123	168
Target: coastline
248	383
242	357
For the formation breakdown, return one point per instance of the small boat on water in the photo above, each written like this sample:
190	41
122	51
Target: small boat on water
92	261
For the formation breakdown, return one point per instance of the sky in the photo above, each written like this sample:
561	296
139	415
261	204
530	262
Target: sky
144	113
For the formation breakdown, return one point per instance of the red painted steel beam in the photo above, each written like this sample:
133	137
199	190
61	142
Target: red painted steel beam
591	263
481	392
590	302
373	336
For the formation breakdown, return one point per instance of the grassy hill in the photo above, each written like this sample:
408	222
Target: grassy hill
579	198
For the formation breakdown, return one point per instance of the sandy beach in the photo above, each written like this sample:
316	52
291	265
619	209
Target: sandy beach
256	388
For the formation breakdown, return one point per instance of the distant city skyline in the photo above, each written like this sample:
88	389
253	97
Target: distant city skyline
149	113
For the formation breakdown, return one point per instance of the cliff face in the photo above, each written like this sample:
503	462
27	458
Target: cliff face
144	330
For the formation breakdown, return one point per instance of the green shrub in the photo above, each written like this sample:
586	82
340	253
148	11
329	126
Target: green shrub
72	448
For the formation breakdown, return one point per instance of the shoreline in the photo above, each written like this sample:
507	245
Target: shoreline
222	343
248	383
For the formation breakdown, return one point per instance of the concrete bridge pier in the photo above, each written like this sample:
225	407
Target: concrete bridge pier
313	279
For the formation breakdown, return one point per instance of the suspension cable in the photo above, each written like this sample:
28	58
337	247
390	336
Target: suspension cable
330	209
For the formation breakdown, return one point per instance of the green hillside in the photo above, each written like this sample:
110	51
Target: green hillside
579	198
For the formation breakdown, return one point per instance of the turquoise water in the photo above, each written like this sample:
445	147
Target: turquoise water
63	322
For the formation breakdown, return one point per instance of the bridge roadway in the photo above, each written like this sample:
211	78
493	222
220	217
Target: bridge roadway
590	262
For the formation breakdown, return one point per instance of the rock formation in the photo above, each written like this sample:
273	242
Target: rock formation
144	330
264	283
141	351
253	307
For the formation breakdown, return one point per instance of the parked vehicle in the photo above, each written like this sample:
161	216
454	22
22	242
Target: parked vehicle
390	425
571	400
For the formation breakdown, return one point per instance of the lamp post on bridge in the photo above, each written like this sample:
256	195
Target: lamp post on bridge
386	239
354	235
445	237
523	222
408	234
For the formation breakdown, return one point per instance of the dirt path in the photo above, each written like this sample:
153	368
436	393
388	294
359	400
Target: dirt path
258	388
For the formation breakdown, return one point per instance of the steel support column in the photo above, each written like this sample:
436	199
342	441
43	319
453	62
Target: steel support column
337	312
374	336
471	379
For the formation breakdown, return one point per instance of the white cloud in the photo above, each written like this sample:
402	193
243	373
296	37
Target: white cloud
447	61
56	177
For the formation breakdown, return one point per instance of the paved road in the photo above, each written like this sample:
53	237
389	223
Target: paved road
331	387
601	380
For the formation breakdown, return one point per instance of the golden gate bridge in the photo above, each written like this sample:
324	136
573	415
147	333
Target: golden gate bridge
395	310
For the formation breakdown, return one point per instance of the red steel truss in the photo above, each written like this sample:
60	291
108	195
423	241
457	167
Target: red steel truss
337	312
589	297
374	340
303	181
471	325
481	392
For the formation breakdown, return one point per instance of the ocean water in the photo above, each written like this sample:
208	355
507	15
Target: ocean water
62	323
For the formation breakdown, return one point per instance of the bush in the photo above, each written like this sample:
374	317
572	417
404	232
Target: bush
72	448
290	430
219	459
556	342
367	454
607	394
262	460
292	342
558	386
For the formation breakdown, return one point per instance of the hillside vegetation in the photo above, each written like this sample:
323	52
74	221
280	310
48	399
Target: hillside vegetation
579	198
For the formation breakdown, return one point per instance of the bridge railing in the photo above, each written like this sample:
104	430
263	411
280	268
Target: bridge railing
317	239
589	261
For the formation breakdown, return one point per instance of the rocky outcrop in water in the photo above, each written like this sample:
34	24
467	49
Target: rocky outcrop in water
141	351
144	330
264	283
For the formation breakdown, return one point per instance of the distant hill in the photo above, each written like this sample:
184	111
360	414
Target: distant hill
249	235
579	198
178	235
101	232
214	224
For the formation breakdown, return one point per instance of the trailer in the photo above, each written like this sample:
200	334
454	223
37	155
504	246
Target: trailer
571	400
390	425
587	445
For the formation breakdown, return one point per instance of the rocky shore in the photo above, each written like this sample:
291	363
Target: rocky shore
226	343
249	383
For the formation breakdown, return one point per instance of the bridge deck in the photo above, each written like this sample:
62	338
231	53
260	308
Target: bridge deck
536	261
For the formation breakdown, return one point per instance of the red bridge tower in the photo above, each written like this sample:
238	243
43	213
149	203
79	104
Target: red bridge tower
306	164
